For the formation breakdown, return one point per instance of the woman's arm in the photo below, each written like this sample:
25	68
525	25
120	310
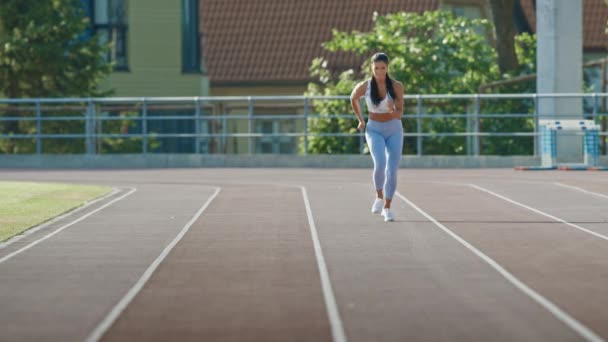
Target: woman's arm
398	105
355	95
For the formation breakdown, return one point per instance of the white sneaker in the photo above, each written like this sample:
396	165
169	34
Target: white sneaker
388	215
377	206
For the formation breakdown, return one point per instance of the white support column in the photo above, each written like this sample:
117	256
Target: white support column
559	60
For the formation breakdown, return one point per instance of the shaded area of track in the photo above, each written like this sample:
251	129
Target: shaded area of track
567	266
61	288
409	281
246	271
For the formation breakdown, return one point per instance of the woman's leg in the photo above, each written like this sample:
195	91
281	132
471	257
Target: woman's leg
377	147
394	147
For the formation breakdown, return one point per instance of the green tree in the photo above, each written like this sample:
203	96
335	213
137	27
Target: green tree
505	32
432	53
44	53
525	48
327	113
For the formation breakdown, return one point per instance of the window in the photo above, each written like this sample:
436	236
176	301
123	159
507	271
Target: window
109	19
190	37
467	11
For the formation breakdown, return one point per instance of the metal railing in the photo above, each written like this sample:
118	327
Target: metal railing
262	124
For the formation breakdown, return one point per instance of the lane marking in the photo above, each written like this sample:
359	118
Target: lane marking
32	244
540	212
548	305
580	189
337	329
107	322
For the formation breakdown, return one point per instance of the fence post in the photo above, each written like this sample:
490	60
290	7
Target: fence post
89	128
603	112
476	126
197	125
250	124
144	125
305	126
596	119
224	137
594	96
38	128
469	129
94	128
419	126
537	151
603	109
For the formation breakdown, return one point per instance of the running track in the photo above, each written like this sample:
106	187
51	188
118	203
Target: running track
295	255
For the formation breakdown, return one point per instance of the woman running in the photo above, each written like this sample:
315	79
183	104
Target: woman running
384	133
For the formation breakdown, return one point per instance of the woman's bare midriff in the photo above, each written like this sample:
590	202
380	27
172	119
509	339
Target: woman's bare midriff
380	117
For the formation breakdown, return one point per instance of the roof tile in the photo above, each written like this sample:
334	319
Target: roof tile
595	17
275	41
268	40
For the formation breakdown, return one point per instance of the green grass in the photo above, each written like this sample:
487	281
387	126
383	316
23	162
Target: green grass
24	205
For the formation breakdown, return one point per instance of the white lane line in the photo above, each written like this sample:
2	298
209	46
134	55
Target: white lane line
544	302
58	218
540	212
580	189
23	249
337	330
107	322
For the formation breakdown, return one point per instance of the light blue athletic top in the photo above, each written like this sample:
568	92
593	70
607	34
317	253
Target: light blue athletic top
382	107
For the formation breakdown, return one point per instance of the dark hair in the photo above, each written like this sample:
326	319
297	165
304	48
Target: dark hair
381	57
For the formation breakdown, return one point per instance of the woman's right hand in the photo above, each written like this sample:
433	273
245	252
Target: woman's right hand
361	126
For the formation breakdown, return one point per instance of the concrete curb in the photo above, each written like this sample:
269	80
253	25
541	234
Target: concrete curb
136	161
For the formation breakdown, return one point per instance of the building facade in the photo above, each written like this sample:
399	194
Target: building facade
155	46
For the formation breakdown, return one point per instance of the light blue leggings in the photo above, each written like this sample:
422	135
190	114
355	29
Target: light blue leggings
385	141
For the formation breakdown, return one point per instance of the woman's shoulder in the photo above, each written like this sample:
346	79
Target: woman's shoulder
359	89
362	85
396	82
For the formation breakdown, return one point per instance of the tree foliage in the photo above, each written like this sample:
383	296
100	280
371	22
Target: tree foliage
44	52
431	53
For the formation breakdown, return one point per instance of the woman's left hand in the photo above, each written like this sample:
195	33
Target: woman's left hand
361	126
